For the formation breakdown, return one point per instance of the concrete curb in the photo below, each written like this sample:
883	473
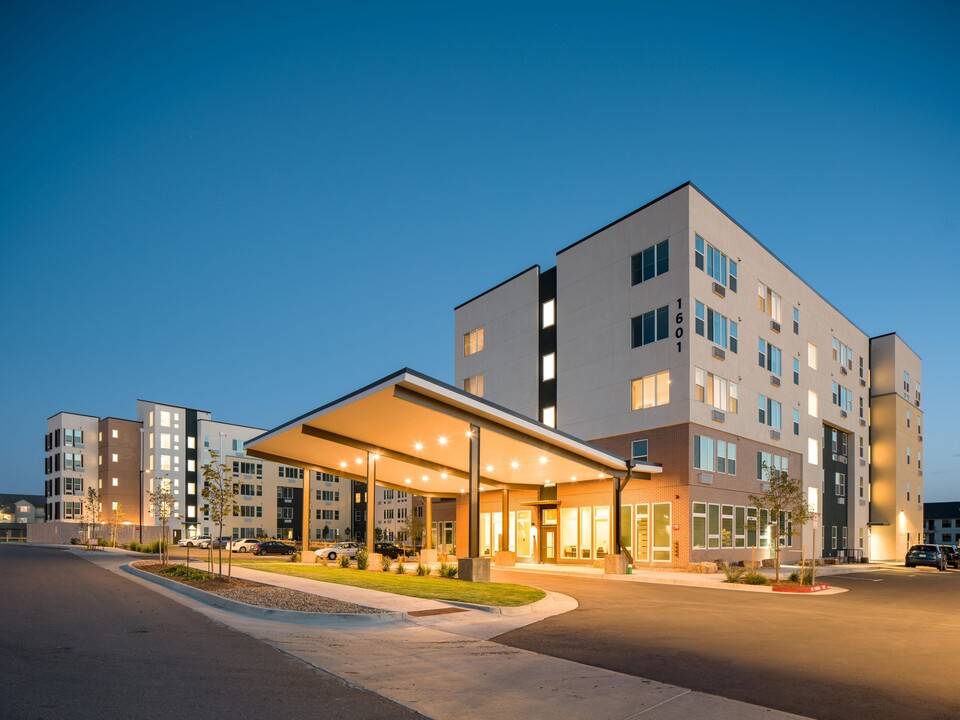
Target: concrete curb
261	613
501	610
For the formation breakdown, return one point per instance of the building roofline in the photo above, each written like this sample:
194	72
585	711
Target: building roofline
735	222
174	405
67	412
499	285
878	337
113	417
222	422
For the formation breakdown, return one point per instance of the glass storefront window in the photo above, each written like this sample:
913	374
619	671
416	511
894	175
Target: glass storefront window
626	527
586	534
485	546
643	532
601	530
497	521
568	533
524	539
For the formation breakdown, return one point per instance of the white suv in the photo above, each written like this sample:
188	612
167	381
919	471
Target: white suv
245	544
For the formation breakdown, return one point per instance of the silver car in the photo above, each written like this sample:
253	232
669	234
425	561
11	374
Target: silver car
335	552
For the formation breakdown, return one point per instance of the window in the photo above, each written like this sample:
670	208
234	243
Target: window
651	390
290	473
714	455
840	484
906	381
237	445
650	263
638	450
549	366
908	418
813	451
164	418
842	354
474	385
165	462
770	463
550	416
769	356
908	455
843	398
650	327
114	482
164	441
796	324
796	421
811	356
813	404
715	327
796	371
473	342
114	457
768	302
548	313
191	465
715	263
769	412
191	442
715	390
115	434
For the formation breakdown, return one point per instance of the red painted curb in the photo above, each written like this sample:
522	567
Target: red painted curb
810	589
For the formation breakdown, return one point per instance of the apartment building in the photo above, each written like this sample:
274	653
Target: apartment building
169	445
674	336
942	522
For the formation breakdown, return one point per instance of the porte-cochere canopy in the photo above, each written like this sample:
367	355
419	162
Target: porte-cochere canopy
413	433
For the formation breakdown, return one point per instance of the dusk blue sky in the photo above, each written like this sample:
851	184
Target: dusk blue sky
254	208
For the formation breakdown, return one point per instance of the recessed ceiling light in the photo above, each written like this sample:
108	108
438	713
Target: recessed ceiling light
359	461
543	460
443	476
489	468
407	481
514	464
418	446
343	464
424	478
443	440
573	477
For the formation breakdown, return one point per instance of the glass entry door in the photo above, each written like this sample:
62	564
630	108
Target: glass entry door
548	549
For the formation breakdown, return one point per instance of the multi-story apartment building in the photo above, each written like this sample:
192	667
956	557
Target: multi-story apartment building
70	446
674	336
896	447
170	445
942	522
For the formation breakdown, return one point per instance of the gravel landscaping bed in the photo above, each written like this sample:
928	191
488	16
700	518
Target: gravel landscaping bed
268	596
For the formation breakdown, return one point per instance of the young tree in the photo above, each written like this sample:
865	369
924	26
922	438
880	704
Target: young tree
787	508
91	513
414	527
162	499
115	522
219	495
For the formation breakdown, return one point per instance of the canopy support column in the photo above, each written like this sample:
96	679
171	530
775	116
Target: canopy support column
473	567
305	530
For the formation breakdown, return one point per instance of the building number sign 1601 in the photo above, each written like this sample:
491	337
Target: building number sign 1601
678	333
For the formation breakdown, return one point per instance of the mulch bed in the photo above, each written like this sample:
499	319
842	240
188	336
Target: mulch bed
261	595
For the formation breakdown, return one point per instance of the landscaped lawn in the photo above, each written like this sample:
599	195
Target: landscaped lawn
433	588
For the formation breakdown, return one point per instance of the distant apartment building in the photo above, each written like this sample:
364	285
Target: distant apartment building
942	522
168	446
674	336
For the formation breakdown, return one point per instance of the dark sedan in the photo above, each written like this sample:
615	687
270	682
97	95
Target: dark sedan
388	550
929	555
953	557
272	547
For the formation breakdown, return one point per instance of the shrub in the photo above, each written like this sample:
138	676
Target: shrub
344	561
807	577
447	571
794	577
294	557
363	559
734	574
754	578
385	566
75	541
422	570
401	570
185	573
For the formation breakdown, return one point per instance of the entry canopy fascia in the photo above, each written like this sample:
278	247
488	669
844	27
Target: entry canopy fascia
417	430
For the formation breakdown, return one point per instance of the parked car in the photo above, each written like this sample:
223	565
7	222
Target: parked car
244	544
273	547
951	554
198	541
221	542
928	555
388	550
335	552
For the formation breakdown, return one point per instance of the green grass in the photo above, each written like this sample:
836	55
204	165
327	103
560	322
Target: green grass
432	588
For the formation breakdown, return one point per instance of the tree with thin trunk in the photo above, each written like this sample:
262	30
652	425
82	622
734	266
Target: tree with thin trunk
787	509
91	512
220	496
115	522
162	499
414	527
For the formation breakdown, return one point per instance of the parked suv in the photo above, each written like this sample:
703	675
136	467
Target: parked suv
244	544
198	541
951	555
929	555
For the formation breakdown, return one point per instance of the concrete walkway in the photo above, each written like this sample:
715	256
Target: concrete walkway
444	666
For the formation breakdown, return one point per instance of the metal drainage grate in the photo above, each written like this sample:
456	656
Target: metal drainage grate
438	611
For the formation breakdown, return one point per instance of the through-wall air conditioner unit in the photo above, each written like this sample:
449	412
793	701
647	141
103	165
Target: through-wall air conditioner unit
719	289
843	413
718	416
775	381
775	326
863	383
843	370
863	423
719	353
774	434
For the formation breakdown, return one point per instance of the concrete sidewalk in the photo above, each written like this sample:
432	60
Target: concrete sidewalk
444	666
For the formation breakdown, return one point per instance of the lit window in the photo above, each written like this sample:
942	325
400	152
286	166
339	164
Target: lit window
550	416
164	418
150	418
813	451
811	355
115	482
191	442
114	457
164	462
474	385
165	441
550	366
813	404
549	313
191	465
715	390
473	342
714	326
651	390
115	433
113	505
